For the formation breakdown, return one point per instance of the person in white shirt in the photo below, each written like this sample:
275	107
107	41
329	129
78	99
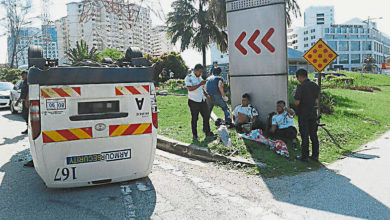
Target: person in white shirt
283	123
171	74
197	102
246	114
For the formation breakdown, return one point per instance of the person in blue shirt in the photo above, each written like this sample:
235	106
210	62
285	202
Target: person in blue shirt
283	123
216	95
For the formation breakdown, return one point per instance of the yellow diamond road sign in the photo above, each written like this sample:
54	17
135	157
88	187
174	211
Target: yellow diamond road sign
320	55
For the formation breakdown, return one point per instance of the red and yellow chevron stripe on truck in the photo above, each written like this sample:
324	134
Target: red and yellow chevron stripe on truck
67	135
60	92
132	90
130	129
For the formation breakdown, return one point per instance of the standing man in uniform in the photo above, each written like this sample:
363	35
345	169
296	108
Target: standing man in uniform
24	99
305	97
197	101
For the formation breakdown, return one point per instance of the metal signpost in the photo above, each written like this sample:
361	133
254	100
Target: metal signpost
320	56
258	52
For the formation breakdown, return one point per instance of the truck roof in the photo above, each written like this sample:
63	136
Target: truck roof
89	75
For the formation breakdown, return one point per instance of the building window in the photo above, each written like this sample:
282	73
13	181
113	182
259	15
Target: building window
343	46
338	30
344	59
332	30
327	30
350	30
344	30
355	58
355	46
367	45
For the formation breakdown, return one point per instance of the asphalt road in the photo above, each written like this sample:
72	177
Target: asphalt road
180	188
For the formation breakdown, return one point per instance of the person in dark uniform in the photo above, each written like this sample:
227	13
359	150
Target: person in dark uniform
24	99
305	97
197	102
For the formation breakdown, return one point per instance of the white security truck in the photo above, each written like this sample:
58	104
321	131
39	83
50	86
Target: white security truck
92	125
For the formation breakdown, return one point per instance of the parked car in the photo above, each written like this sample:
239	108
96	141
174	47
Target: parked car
14	96
5	89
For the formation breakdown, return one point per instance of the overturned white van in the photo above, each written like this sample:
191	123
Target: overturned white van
92	125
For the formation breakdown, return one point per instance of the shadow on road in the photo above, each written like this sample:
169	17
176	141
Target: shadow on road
12	140
14	117
23	195
327	191
324	190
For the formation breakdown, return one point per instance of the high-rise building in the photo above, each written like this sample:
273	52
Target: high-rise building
353	41
33	36
63	38
161	43
319	15
105	29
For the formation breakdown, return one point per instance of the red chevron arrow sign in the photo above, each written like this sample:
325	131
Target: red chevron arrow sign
252	44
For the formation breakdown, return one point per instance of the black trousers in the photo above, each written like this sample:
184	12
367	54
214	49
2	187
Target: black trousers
308	127
25	112
203	109
289	133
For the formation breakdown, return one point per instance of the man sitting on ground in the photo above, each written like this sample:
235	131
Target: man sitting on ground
246	115
283	123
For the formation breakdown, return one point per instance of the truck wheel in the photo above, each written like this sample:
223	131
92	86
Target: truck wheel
35	52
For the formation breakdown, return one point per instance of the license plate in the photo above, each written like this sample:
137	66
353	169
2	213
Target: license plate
55	104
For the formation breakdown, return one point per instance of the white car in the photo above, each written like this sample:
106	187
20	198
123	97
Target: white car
14	96
5	89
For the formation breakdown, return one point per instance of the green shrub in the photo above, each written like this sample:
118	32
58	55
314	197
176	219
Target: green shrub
10	75
343	80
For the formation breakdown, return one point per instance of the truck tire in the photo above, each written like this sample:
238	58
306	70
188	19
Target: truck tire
35	52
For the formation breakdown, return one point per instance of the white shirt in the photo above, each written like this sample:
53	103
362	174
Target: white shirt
171	75
249	111
283	120
196	95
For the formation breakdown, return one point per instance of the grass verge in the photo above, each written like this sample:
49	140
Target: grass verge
359	117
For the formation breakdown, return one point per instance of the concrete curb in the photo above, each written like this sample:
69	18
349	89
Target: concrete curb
200	153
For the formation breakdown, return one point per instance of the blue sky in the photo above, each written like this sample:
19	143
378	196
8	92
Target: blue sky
344	11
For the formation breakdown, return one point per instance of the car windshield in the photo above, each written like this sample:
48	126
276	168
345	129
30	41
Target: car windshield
6	86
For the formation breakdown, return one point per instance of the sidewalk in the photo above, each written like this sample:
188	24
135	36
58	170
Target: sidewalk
353	186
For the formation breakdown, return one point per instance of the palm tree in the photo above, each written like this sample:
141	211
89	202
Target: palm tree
197	23
369	64
193	24
81	52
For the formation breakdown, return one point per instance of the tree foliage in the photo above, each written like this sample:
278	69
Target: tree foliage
10	75
171	61
112	53
192	22
82	52
369	64
16	17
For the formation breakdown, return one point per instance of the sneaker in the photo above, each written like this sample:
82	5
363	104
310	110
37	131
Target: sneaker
29	164
303	159
25	132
